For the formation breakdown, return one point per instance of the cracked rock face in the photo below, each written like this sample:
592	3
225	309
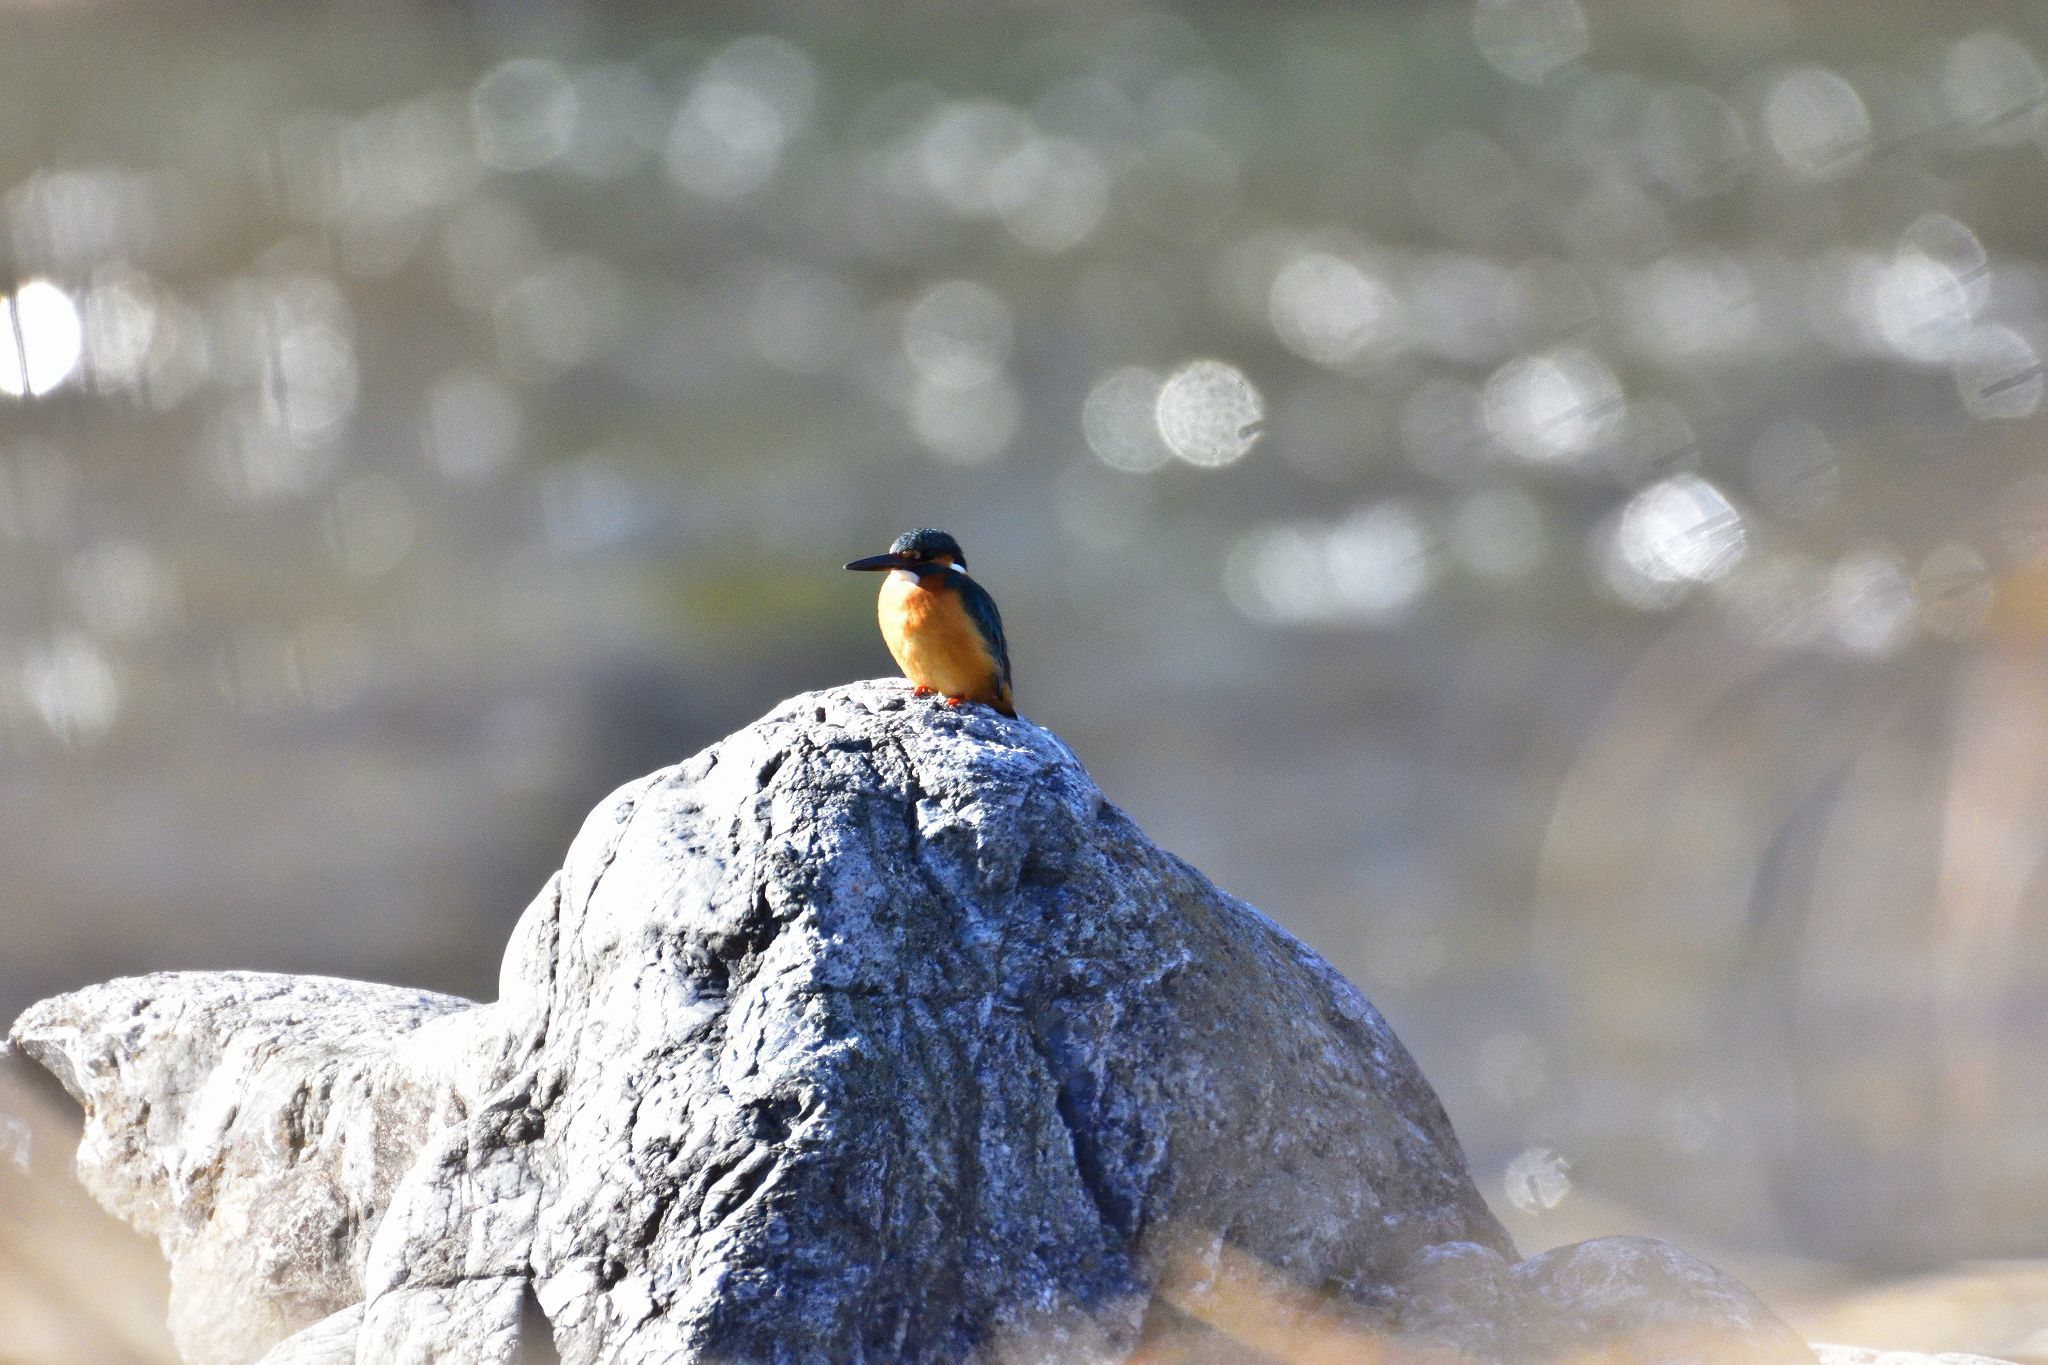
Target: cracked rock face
872	1032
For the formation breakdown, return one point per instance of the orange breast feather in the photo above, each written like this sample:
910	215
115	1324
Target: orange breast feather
935	642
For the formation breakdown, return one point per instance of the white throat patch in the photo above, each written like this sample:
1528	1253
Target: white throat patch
906	576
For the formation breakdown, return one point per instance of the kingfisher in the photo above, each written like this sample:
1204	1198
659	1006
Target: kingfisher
942	626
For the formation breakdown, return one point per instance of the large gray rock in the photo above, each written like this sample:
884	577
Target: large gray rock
870	1033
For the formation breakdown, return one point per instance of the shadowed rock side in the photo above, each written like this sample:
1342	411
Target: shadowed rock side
870	1033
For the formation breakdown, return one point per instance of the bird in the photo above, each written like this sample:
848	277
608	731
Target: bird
941	626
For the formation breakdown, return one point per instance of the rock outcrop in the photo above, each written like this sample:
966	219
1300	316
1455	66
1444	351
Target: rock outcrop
872	1032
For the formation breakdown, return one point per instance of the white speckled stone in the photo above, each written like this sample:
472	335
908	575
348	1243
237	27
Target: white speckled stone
871	1033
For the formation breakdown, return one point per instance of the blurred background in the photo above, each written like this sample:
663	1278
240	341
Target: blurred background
1544	497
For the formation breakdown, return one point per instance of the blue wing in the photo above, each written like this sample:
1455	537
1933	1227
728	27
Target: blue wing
981	609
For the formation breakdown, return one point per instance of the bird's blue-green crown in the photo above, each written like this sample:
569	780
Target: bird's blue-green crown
927	543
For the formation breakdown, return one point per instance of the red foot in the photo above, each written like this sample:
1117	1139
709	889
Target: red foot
956	701
920	690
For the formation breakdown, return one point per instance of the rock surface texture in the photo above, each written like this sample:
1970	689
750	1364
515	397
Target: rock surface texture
871	1033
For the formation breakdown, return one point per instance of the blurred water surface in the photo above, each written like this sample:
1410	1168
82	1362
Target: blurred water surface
1543	496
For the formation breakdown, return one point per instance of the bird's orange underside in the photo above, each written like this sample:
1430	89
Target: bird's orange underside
935	643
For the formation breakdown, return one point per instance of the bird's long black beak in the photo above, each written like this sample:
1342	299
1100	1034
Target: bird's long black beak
875	563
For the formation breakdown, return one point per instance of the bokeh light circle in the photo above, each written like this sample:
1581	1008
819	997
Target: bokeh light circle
1209	413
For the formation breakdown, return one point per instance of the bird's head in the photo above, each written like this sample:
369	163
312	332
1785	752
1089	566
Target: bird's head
920	552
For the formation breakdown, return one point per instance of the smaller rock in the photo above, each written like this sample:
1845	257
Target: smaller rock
1652	1301
1613	1298
1863	1355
